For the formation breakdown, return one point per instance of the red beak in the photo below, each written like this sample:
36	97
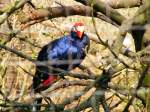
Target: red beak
79	34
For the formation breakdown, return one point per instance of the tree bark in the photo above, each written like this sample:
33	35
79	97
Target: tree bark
55	12
122	3
105	9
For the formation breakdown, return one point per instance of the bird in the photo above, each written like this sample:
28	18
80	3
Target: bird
64	53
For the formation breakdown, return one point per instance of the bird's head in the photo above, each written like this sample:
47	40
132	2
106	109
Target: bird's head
78	30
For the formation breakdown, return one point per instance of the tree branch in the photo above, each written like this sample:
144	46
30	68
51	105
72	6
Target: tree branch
122	3
105	9
55	12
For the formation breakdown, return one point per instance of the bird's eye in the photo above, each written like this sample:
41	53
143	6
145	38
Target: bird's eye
74	29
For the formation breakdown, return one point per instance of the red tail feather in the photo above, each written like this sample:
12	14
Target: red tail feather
50	80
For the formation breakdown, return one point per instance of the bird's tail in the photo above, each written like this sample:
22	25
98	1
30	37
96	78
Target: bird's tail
39	86
37	105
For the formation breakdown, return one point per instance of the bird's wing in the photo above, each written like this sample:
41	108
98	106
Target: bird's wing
62	52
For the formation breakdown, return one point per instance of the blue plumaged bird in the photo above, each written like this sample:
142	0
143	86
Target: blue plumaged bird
64	53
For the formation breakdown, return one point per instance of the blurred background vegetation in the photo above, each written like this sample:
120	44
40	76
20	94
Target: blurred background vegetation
16	73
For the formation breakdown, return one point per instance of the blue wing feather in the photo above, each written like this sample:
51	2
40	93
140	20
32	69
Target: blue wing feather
66	49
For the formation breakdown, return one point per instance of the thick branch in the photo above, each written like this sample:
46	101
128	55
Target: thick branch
105	9
122	3
55	12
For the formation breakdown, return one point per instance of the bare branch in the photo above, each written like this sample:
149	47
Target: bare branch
122	3
55	12
105	9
